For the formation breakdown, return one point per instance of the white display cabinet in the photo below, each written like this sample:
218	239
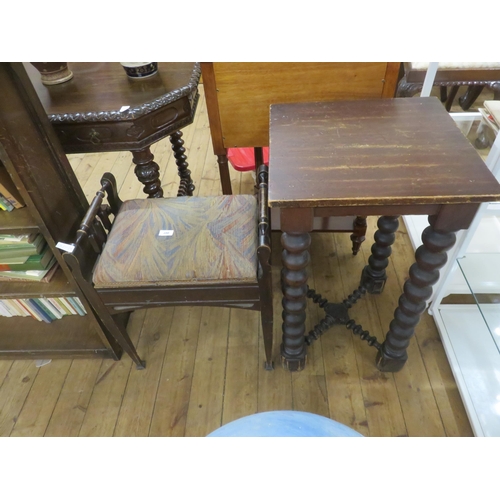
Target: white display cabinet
466	306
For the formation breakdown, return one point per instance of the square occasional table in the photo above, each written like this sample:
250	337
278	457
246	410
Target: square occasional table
387	157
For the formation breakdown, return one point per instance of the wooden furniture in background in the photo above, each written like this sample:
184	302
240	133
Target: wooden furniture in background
86	113
212	251
380	157
475	75
239	95
55	203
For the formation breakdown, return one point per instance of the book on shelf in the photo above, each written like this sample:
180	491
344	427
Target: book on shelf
26	257
18	239
48	308
10	249
77	304
5	205
66	304
42	309
37	262
4	311
8	190
14	260
36	306
493	108
43	276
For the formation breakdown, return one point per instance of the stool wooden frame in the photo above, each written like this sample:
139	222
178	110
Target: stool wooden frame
108	303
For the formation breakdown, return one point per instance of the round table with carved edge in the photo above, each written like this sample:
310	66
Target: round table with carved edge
102	110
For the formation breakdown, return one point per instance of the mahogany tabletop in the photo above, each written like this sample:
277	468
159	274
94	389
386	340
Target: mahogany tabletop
102	109
104	86
405	151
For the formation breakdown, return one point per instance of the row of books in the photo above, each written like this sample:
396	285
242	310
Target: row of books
42	309
9	195
26	257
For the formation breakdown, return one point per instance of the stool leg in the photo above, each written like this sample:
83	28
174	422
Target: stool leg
430	257
147	171
451	97
295	258
374	276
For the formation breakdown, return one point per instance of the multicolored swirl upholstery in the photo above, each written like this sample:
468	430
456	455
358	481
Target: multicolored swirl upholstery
181	240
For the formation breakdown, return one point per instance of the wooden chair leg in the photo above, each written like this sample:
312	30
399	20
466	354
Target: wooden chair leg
467	100
358	235
451	97
443	93
267	333
225	178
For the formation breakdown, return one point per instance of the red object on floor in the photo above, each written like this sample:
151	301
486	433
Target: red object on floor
243	160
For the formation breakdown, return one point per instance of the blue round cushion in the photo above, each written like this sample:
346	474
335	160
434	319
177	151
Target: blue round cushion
284	424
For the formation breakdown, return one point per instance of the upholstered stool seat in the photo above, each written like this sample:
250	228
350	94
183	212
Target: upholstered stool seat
168	252
167	242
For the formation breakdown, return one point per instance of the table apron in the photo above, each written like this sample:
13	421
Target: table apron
126	135
449	217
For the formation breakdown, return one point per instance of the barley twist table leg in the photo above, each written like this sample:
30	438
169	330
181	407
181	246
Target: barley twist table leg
374	276
295	258
430	257
186	187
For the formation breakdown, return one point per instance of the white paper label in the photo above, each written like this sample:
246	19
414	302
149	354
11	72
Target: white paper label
166	232
65	247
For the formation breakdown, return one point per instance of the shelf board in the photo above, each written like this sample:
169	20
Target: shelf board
473	352
58	286
68	337
17	221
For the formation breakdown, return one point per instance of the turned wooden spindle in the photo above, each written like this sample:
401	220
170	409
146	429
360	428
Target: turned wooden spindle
358	234
374	276
187	187
148	172
295	258
430	257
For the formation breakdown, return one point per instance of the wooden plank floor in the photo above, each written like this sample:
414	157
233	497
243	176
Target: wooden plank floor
205	365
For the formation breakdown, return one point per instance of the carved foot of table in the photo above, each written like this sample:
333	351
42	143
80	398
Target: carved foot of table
147	171
186	186
430	257
295	259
